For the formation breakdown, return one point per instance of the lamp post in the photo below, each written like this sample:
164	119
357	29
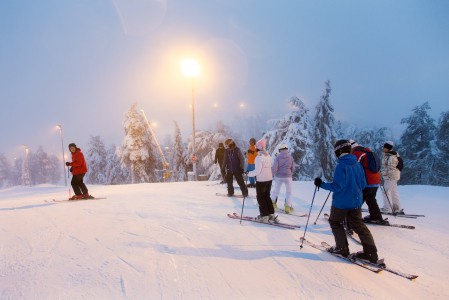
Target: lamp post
63	154
190	68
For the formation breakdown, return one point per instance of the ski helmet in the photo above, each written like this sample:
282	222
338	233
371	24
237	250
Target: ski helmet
342	146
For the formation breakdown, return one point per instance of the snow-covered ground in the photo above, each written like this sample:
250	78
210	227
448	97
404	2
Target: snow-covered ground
174	241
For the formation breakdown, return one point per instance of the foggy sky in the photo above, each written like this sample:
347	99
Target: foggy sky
82	64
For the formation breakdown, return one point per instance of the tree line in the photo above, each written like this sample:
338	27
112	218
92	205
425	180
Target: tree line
424	147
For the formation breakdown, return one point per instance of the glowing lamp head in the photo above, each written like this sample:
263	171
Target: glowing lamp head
190	68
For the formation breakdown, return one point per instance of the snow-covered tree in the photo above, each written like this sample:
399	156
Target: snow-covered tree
116	172
5	169
26	172
294	130
324	136
415	146
96	161
177	158
43	168
138	150
442	142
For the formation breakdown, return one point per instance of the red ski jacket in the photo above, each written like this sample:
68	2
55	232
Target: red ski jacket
372	178
78	163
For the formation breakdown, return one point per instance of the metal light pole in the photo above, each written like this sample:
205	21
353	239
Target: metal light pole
63	154
191	69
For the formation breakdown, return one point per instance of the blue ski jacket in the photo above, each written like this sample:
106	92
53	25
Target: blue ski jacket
349	182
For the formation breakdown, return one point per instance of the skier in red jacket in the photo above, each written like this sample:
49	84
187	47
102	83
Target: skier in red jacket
78	169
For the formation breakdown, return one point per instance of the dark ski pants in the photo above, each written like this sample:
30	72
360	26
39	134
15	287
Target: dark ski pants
369	196
263	190
354	218
79	188
239	178
222	171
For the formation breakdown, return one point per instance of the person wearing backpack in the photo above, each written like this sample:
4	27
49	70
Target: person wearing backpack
390	174
371	166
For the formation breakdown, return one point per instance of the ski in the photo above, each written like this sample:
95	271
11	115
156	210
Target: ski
380	265
280	210
226	195
251	219
354	261
76	200
390	224
413	216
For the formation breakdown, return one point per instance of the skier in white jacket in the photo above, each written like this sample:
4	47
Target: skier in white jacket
264	179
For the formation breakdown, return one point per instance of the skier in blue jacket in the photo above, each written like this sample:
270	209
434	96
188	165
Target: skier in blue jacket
347	199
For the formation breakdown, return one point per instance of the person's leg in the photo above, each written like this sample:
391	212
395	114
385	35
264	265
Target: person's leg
355	219
241	183
288	191
396	201
75	185
336	219
260	191
267	198
274	193
369	196
82	186
229	181
252	180
386	195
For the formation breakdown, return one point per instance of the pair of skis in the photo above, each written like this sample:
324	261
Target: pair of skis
75	200
402	215
385	224
376	268
236	196
252	219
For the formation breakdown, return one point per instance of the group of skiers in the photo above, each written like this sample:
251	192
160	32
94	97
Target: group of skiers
357	177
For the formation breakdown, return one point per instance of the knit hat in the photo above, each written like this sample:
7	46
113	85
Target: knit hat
389	145
353	144
261	144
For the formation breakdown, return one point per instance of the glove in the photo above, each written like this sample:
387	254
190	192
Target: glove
70	170
318	182
67	163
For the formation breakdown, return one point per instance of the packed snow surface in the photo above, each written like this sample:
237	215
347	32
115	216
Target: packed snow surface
174	241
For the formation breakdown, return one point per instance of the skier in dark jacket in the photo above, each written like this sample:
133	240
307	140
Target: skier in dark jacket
78	169
234	163
347	187
219	158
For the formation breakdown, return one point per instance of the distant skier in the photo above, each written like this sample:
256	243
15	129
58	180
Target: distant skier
283	169
234	163
390	174
78	169
264	178
219	158
251	154
347	199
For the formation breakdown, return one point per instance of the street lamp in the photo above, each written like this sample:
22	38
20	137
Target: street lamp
63	154
190	68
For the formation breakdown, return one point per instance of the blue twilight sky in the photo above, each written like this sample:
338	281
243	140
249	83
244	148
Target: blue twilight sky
83	63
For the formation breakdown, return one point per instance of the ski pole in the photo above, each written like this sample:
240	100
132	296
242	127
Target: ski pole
322	208
244	197
307	223
388	199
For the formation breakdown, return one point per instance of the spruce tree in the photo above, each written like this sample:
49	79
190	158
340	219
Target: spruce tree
96	161
324	136
442	142
138	150
415	146
177	158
